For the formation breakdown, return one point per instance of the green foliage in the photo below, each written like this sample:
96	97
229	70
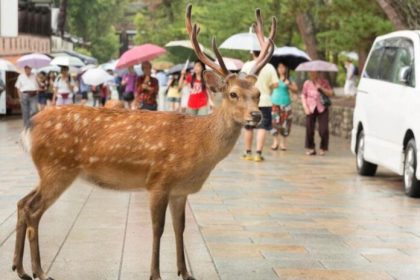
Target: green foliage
93	20
352	25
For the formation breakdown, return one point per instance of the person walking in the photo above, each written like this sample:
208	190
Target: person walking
83	90
350	84
63	88
315	109
129	83
174	95
282	108
147	89
198	99
42	92
266	78
50	87
27	88
163	86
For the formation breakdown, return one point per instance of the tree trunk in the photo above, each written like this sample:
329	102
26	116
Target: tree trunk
62	17
307	31
404	14
393	13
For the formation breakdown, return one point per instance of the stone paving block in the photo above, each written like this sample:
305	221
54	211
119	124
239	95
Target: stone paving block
316	274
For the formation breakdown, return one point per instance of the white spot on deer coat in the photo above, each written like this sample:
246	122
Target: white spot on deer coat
93	159
76	117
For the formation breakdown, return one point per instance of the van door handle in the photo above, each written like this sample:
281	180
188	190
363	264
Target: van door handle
362	91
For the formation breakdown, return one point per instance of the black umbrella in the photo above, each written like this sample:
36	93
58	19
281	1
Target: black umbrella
289	56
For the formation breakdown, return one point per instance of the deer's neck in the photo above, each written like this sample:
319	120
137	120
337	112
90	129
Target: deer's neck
223	131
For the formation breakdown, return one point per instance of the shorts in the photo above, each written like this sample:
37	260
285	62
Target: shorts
174	99
42	98
128	96
266	119
84	95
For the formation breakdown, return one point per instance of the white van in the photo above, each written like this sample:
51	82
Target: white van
386	122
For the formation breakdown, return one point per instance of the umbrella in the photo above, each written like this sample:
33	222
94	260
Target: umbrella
49	68
242	41
317	65
67	61
232	64
34	60
179	67
289	56
183	50
139	54
87	67
96	77
6	65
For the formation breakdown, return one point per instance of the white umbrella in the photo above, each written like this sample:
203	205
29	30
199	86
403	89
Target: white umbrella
6	65
34	60
232	64
242	41
96	77
67	61
317	65
49	68
87	67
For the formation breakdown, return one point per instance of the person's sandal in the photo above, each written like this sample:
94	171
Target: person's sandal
322	153
311	153
275	148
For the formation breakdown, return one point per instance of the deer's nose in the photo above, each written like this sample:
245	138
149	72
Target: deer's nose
256	116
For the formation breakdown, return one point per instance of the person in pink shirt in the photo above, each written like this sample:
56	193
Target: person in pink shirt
314	109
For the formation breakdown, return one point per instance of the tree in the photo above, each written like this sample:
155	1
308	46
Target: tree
348	28
93	20
404	14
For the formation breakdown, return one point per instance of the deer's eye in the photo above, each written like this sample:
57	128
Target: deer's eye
233	95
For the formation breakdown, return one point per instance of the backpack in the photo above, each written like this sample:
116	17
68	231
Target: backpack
356	71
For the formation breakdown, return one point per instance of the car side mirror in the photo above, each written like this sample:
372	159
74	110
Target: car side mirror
404	74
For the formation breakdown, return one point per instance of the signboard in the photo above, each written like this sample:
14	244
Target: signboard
8	18
3	93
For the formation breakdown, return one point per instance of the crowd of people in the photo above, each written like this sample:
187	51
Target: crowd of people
186	92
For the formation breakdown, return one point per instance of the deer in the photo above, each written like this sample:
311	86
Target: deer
168	154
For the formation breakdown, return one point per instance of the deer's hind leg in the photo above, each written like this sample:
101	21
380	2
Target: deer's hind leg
50	188
20	237
177	205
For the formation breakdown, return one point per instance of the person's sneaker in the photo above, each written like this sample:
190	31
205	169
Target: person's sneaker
258	158
247	156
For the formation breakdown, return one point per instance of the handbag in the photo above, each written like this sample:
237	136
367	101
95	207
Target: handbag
325	100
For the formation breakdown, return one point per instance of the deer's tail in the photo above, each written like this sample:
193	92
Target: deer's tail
26	140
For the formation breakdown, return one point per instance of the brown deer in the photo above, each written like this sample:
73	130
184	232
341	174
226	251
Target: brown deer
168	154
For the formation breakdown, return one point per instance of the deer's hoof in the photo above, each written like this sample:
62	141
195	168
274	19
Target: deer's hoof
25	277
189	278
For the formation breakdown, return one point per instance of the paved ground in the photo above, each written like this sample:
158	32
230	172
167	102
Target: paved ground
291	217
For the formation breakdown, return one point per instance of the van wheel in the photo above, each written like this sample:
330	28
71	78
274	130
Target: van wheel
411	184
364	167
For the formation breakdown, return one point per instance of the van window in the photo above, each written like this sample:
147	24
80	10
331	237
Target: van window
388	58
372	66
404	58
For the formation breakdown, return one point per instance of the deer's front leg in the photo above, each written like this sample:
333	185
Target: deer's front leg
177	206
158	205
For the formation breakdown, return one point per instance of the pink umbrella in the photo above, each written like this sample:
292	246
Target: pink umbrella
317	65
232	64
139	54
34	60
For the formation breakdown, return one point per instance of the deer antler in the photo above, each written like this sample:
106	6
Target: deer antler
267	47
193	31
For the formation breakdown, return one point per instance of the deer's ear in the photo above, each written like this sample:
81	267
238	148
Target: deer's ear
214	82
251	78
